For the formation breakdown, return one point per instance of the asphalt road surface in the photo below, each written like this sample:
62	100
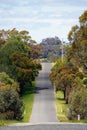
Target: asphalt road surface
47	127
44	106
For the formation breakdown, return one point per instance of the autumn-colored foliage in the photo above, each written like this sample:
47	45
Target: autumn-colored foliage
18	61
71	77
64	79
78	37
27	69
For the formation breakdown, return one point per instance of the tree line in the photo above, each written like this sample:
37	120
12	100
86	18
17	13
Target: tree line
70	74
18	69
51	48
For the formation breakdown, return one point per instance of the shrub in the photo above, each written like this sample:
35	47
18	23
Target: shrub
11	107
78	104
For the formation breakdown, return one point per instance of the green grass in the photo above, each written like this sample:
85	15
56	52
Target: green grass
61	107
28	99
2	123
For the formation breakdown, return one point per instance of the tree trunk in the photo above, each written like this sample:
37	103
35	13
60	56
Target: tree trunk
64	94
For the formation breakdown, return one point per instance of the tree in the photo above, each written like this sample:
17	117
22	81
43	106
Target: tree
63	76
7	34
26	69
83	18
25	36
16	60
78	104
35	52
12	45
51	48
72	33
78	38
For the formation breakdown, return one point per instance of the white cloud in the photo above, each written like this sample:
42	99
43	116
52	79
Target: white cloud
41	17
59	21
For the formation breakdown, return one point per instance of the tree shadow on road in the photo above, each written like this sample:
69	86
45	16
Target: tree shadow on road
37	89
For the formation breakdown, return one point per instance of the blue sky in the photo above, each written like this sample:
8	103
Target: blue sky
42	18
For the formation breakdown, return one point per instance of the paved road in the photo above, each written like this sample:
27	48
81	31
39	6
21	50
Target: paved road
48	127
44	106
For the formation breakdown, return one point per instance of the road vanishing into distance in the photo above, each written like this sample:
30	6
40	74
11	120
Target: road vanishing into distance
44	106
43	115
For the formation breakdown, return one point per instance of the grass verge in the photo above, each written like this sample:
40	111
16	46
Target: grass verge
62	109
28	100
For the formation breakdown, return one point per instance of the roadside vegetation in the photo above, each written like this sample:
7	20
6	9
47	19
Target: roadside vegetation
28	99
69	75
61	107
18	69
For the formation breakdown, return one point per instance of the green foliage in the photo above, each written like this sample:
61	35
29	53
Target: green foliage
78	104
4	78
16	44
10	105
15	58
77	53
7	34
55	68
7	50
26	69
63	76
17	61
71	76
83	17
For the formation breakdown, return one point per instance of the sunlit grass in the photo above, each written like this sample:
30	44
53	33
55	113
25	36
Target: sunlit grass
61	107
28	100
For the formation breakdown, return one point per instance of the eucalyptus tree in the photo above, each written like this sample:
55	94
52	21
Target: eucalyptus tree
78	38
